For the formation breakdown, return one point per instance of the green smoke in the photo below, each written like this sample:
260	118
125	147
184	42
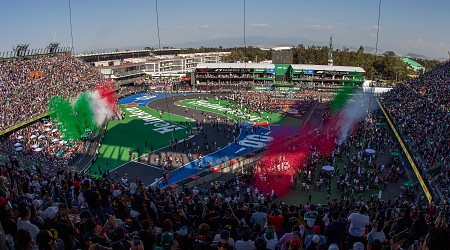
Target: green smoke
345	92
72	121
84	112
61	110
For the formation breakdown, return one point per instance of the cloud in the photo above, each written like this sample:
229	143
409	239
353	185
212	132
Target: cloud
202	27
210	27
314	24
260	25
318	26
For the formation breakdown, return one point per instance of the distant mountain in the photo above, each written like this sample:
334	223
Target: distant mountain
255	41
414	55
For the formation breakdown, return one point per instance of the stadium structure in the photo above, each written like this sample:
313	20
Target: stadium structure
203	72
278	77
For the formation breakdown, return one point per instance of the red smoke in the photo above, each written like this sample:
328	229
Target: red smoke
285	156
107	92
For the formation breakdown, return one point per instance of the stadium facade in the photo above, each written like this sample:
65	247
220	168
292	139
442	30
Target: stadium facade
143	64
281	77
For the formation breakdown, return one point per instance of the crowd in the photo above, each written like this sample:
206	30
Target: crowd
420	110
70	210
26	86
58	208
253	101
42	147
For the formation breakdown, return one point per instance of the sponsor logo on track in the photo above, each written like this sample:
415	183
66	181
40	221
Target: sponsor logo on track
161	126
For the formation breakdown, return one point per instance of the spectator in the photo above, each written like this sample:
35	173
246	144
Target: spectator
245	243
358	220
24	220
46	240
377	233
285	240
24	241
225	242
335	231
271	238
147	235
276	220
316	232
167	242
259	217
437	238
260	244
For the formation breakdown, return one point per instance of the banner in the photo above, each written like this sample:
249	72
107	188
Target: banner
261	87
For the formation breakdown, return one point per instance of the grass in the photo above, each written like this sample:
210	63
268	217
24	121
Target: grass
131	134
297	196
274	118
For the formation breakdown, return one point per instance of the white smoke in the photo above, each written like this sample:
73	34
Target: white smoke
355	110
100	108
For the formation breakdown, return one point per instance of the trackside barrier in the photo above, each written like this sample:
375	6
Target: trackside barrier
215	172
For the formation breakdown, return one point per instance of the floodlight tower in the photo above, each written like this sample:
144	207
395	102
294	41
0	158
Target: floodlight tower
21	49
330	52
53	47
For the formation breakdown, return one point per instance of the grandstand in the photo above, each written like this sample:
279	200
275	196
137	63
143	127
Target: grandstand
22	51
281	77
116	55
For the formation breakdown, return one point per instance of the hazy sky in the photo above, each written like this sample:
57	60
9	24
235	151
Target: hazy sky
406	25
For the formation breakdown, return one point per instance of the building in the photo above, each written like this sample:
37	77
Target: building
142	64
122	71
179	65
415	67
285	77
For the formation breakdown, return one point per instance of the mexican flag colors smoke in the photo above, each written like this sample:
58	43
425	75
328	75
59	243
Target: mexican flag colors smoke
86	113
275	171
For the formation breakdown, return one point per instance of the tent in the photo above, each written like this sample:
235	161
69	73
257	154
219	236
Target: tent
395	154
408	184
370	151
327	168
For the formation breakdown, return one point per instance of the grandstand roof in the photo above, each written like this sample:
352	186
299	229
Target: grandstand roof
410	62
327	67
112	53
235	65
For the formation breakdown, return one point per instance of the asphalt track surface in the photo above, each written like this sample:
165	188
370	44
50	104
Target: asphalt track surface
147	169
